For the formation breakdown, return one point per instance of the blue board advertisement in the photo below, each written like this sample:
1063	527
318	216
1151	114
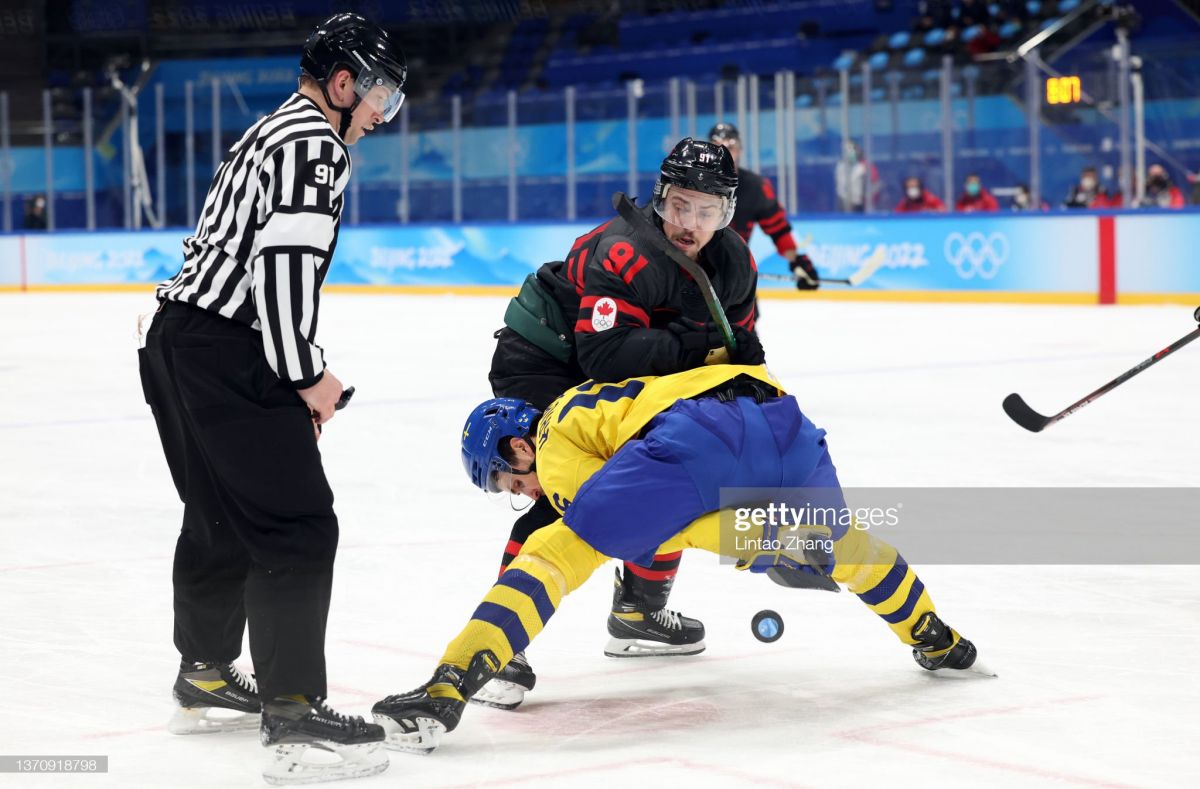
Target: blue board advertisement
1158	253
997	254
956	252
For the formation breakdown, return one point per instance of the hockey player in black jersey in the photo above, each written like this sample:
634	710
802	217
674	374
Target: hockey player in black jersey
239	390
757	204
617	308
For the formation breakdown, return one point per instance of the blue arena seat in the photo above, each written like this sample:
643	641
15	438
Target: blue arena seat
1010	28
845	60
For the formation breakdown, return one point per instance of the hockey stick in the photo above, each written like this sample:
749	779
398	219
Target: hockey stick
869	267
1020	412
654	237
800	274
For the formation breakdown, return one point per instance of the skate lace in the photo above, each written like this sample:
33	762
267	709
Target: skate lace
668	619
241	680
322	706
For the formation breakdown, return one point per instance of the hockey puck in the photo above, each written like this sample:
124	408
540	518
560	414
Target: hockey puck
767	626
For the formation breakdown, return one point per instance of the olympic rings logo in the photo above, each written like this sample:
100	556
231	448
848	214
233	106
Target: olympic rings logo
976	253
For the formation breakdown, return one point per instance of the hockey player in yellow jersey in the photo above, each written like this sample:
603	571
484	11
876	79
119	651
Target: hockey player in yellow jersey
644	466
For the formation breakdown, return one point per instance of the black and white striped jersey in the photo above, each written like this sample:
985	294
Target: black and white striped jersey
267	233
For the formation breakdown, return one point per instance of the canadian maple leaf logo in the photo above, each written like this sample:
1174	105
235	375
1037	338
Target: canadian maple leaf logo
604	314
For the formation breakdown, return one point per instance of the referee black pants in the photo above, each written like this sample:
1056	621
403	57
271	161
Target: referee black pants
259	532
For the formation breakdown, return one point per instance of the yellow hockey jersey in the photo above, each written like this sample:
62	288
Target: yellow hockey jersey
585	426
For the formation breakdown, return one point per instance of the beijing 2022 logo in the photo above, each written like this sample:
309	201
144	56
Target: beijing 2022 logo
976	254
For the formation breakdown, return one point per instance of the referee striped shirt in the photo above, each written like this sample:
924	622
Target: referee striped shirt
267	233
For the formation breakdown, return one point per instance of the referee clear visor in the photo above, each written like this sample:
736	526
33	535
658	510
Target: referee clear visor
379	92
693	210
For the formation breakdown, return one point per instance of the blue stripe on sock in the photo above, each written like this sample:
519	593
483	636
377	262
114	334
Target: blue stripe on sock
888	586
507	620
905	611
531	587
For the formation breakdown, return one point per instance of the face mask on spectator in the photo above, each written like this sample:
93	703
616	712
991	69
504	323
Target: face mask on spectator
1087	183
973	188
1021	199
913	192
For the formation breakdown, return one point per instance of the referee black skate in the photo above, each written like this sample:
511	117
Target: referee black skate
239	390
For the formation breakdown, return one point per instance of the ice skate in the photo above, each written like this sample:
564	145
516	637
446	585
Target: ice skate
214	697
311	743
940	647
416	721
507	689
638	631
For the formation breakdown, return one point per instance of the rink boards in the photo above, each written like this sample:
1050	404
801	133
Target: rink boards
1096	257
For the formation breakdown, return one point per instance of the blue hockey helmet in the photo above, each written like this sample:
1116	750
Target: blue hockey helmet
490	423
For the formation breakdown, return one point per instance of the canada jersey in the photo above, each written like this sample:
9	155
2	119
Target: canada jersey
586	425
757	204
627	293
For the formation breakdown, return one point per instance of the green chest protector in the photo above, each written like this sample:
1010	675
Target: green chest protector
535	315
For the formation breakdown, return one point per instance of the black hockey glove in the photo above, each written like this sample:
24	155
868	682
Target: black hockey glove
809	279
749	350
696	339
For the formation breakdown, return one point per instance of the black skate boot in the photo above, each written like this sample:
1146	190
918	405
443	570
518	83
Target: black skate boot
507	689
294	725
640	631
213	697
939	646
415	721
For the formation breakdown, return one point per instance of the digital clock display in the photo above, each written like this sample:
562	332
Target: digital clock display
1063	90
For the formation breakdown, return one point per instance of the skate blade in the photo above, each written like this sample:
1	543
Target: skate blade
424	740
635	647
320	761
500	694
976	671
212	720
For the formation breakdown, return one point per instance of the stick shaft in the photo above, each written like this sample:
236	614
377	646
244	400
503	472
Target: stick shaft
1125	376
789	278
1020	412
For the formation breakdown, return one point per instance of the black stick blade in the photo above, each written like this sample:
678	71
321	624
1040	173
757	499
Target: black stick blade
1020	412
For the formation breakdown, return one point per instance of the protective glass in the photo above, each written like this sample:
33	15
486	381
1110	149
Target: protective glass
379	92
693	210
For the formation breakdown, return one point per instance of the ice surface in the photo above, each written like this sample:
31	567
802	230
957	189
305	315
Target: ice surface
1098	681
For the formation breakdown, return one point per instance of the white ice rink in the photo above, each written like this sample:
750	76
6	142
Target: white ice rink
1098	682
